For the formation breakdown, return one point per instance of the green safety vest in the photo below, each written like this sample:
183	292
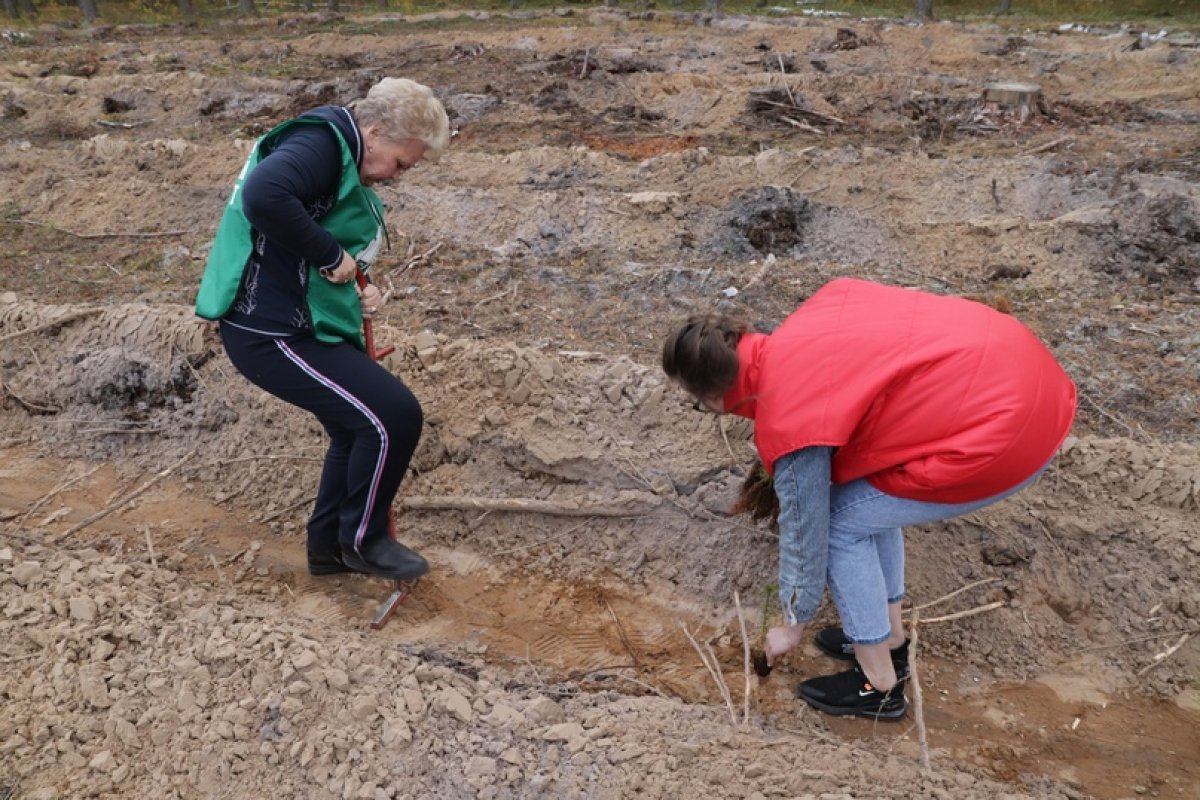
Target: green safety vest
356	222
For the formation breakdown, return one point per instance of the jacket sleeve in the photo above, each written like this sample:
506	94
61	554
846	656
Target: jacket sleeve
281	195
802	485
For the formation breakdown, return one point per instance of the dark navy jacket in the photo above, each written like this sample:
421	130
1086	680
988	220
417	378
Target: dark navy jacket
284	197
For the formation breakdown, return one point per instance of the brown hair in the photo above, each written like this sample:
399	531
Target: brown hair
702	354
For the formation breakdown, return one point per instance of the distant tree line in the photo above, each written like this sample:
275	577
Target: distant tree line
15	9
924	8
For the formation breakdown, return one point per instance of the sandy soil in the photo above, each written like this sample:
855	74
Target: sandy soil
613	172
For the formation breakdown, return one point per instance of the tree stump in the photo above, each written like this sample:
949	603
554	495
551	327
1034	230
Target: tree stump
1023	98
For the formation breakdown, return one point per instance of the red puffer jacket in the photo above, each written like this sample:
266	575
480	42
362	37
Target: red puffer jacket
928	397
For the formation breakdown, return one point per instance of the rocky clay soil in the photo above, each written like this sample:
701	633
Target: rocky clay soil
612	173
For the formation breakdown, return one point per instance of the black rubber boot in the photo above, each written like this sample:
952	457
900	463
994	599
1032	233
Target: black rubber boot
849	693
326	563
386	558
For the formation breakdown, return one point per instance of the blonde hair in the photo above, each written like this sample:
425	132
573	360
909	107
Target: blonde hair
404	109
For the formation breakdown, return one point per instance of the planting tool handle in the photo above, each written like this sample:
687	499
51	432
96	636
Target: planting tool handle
368	332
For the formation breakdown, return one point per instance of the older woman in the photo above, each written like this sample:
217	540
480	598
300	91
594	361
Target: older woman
875	408
300	225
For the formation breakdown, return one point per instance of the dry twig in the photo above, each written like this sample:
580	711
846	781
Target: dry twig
804	126
54	323
621	634
970	612
217	569
918	703
737	604
714	669
541	542
634	681
955	593
123	235
1045	530
126	500
1161	657
62	487
265	457
522	505
1042	148
289	507
699	512
150	546
499	295
1134	640
29	406
725	438
414	261
784	80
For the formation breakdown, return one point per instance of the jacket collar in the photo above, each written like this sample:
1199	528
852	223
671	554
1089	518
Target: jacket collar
742	397
342	118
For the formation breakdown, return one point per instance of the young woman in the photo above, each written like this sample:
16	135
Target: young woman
301	223
875	408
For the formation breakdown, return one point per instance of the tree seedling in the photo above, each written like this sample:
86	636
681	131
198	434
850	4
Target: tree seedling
759	658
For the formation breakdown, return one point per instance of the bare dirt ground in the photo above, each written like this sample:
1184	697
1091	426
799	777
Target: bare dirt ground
160	636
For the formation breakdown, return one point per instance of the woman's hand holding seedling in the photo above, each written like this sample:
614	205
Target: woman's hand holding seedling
782	639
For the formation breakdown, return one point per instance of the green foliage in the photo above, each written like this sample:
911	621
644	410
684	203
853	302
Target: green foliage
770	593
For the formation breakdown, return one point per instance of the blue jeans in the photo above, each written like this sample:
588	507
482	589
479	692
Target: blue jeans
866	550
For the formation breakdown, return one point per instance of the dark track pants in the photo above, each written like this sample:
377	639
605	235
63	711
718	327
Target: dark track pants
373	421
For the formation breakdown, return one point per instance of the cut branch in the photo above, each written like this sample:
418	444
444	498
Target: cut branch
634	506
970	612
124	501
918	700
955	593
737	604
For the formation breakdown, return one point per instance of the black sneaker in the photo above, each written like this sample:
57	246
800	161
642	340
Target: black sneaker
900	661
849	693
832	642
386	558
